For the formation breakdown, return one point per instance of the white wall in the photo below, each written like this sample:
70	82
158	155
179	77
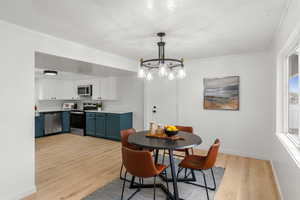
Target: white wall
17	99
17	113
243	132
287	171
130	97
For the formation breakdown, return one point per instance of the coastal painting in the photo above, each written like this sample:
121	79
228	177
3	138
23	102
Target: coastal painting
222	93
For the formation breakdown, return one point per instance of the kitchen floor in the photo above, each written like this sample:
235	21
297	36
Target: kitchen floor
71	167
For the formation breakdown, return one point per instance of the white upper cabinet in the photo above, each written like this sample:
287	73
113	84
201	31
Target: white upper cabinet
68	90
96	95
49	89
108	88
105	89
56	89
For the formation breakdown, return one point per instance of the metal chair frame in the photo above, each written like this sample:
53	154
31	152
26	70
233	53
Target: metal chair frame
141	183
204	178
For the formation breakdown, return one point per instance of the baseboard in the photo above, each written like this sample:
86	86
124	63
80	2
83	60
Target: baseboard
237	153
25	193
276	181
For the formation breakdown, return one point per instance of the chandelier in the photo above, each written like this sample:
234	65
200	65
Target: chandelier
165	67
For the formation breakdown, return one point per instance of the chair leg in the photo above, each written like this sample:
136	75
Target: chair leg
205	184
121	170
123	185
166	176
185	173
163	159
178	172
138	189
213	176
154	188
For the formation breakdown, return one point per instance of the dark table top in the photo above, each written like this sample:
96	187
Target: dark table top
140	139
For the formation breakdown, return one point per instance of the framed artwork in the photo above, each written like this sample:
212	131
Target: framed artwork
222	93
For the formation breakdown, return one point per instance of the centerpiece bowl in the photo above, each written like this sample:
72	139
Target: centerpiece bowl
171	133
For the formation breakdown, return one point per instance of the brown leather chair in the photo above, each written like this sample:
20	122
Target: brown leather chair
139	163
124	138
200	163
187	129
124	141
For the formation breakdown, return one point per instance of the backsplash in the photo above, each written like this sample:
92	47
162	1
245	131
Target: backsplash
57	104
49	105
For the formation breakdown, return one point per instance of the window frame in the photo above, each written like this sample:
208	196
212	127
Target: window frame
289	45
295	140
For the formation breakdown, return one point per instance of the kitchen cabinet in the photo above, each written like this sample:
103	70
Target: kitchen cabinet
105	89
108	88
67	90
90	124
107	125
55	89
49	89
113	126
65	121
39	126
100	125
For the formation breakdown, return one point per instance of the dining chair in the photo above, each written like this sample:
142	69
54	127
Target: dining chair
201	163
139	163
187	129
124	141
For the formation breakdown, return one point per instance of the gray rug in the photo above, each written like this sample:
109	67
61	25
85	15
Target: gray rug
113	190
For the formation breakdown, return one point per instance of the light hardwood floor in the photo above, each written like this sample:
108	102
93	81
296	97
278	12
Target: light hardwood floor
71	167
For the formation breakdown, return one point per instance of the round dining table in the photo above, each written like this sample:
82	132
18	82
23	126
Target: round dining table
187	140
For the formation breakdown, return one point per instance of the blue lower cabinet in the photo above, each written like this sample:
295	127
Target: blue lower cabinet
113	126
100	125
90	124
107	125
65	121
39	126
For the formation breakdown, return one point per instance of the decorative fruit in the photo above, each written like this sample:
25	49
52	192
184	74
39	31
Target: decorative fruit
171	128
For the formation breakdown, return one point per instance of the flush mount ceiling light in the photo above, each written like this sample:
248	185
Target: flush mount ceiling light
165	67
50	72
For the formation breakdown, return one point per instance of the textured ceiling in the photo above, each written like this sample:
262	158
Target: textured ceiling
195	28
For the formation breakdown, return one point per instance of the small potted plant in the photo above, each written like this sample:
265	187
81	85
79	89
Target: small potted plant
99	106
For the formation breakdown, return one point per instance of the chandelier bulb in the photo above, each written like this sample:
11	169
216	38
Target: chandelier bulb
163	71
149	76
171	76
141	73
181	73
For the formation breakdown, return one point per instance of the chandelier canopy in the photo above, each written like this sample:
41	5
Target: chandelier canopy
165	67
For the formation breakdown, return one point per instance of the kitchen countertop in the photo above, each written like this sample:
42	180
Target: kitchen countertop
51	110
109	111
96	111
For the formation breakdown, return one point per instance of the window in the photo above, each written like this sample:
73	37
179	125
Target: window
293	110
287	96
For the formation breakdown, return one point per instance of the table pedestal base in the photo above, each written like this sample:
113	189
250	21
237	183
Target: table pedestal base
169	195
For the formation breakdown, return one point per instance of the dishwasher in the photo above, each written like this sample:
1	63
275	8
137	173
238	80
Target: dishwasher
53	123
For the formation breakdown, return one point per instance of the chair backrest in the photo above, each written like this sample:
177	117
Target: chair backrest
188	129
138	163
212	154
124	137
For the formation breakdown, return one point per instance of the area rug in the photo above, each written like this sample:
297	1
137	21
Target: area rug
112	191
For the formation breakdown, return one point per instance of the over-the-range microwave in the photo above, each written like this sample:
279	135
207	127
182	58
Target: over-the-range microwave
85	90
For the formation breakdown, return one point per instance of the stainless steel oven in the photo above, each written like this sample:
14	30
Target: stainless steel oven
85	90
77	122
